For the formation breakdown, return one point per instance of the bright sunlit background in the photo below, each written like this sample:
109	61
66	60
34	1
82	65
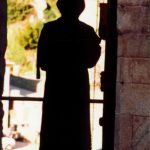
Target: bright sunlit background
22	119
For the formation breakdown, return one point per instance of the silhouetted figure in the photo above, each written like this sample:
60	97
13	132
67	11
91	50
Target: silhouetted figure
67	48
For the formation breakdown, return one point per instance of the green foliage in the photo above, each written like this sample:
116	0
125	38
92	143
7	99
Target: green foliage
23	35
30	35
15	52
22	44
49	15
18	10
52	12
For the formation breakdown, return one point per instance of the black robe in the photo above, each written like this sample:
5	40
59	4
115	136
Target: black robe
66	49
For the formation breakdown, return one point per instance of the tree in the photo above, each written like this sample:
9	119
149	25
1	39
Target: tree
23	35
18	10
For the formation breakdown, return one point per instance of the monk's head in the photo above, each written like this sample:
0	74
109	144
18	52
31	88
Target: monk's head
71	8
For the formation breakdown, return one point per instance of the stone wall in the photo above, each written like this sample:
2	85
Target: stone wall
132	127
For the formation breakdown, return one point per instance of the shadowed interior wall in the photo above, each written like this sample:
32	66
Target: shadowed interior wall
132	128
3	44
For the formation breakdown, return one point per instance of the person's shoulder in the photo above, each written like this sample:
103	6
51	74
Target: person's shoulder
53	23
86	26
89	31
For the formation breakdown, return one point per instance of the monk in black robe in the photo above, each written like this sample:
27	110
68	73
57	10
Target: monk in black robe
67	48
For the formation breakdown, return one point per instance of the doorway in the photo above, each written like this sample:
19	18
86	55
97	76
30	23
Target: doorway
22	96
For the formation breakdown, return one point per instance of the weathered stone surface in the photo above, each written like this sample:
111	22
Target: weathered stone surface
118	69
133	2
133	99
141	70
140	132
132	127
132	132
125	67
132	19
123	132
134	45
133	70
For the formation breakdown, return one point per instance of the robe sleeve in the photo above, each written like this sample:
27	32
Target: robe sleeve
92	50
41	50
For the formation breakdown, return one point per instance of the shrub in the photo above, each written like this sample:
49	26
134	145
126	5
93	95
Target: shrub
18	10
29	35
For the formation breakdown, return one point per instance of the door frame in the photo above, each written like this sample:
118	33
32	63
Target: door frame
110	77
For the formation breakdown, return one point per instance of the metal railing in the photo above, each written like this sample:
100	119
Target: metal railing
19	98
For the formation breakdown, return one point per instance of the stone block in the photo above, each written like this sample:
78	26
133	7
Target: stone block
140	132
123	132
124	72
134	45
118	69
132	132
134	2
133	99
132	19
141	70
133	70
